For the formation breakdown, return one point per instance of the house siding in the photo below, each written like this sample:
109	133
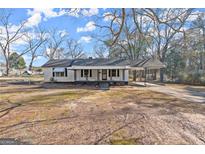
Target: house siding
48	74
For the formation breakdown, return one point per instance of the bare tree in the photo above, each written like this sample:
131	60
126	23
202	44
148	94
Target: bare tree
54	44
74	49
100	51
9	36
167	23
115	26
34	42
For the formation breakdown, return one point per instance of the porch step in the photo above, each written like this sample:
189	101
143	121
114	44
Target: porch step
104	86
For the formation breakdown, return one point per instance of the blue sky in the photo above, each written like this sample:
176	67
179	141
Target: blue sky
79	24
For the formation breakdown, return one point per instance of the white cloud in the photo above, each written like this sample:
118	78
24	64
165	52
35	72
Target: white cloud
109	16
90	12
90	26
85	39
12	30
63	33
37	15
34	20
192	17
73	12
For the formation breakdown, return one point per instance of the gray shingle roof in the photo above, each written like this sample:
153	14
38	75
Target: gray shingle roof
58	63
148	62
99	62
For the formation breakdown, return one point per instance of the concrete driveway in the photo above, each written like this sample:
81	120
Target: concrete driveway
188	94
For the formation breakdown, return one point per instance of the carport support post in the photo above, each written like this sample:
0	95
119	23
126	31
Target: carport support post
161	74
145	81
134	75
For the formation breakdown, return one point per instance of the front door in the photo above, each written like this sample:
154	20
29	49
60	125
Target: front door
104	74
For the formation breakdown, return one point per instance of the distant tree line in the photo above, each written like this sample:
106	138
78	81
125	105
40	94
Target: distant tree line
175	36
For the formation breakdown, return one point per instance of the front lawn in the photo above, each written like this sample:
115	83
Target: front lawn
72	114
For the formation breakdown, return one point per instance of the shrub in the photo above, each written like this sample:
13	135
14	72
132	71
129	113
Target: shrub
52	79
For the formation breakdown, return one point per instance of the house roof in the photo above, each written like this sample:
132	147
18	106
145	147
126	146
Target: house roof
147	62
58	63
99	62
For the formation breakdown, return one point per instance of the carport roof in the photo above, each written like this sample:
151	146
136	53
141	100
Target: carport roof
147	63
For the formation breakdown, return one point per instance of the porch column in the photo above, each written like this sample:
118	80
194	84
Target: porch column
74	75
110	74
145	71
123	74
98	75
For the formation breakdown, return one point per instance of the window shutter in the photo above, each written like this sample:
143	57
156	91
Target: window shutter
66	72
109	73
53	73
81	73
118	73
90	73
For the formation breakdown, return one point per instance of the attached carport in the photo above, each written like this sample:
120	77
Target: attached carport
146	70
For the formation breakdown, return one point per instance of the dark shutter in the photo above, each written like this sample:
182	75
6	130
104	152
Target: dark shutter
66	72
74	75
109	72
81	73
53	73
118	73
90	73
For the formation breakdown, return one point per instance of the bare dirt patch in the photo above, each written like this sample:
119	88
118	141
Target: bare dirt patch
71	114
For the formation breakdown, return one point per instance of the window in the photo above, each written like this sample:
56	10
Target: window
114	73
59	74
86	73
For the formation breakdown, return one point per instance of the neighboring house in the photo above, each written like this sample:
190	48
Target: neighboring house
2	69
97	70
27	72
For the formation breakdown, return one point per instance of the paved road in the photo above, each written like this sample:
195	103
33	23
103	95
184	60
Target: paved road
185	94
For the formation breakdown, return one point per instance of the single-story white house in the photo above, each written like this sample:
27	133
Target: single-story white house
97	70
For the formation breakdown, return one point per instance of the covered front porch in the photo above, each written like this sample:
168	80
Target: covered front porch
88	74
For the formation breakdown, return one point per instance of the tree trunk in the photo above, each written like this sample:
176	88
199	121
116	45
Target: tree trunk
7	67
31	64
